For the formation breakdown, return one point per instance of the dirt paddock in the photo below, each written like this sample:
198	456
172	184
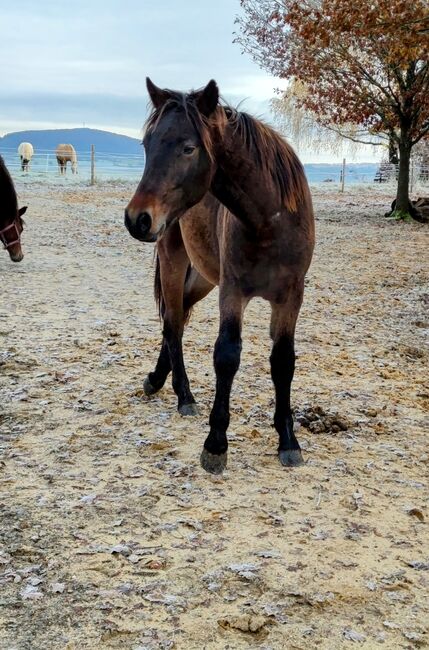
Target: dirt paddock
114	537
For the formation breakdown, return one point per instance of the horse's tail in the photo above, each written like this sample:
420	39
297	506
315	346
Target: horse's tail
73	159
157	288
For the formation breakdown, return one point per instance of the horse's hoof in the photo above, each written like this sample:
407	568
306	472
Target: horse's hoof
189	409
291	457
148	388
213	463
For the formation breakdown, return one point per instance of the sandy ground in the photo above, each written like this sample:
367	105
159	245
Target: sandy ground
114	537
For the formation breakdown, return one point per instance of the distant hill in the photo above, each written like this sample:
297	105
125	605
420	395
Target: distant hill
81	139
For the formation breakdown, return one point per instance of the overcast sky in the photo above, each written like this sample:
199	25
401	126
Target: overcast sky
68	63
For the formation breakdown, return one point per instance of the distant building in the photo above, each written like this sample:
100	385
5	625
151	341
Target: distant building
386	172
388	169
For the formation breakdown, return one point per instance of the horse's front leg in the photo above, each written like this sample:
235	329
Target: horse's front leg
226	362
282	359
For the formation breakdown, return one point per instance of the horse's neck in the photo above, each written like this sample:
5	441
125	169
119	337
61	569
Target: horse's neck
241	185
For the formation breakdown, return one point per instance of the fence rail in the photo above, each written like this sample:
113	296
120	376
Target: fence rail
98	166
91	165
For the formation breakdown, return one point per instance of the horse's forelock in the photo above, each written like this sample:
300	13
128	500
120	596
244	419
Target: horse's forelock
186	102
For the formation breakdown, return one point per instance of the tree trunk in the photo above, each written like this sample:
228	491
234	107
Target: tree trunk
393	151
402	195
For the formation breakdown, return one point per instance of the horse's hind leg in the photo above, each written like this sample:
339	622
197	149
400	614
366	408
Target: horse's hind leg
196	288
283	321
174	264
226	362
156	379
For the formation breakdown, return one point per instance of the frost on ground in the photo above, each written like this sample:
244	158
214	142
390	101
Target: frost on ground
114	537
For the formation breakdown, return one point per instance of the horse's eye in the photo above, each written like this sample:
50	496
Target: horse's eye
188	149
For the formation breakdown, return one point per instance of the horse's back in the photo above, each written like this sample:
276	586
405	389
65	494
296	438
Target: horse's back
61	150
25	150
66	151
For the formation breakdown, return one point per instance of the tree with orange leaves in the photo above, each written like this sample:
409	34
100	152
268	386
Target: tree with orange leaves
364	64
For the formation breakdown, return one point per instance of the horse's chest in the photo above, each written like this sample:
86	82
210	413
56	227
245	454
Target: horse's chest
257	274
258	268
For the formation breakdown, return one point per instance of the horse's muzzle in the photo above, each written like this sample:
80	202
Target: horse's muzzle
16	257
140	228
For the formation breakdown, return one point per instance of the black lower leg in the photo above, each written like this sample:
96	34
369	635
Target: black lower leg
282	370
226	362
156	379
186	401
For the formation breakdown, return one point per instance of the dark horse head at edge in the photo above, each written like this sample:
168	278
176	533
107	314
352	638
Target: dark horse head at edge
11	222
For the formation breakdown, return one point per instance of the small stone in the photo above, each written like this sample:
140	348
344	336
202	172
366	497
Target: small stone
121	549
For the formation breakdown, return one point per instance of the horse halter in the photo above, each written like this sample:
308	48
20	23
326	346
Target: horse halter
7	244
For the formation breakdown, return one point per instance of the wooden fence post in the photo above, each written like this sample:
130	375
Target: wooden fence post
92	165
343	174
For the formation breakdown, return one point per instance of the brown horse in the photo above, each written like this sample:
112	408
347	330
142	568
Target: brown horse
11	222
200	156
66	153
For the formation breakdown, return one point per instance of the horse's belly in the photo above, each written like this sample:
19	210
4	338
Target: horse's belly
204	261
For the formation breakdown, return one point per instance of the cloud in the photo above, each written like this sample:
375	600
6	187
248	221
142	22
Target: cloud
66	64
86	62
21	111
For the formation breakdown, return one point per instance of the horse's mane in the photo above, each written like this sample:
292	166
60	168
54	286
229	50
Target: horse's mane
9	203
271	153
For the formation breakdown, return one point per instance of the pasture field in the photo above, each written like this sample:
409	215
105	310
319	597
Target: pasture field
115	538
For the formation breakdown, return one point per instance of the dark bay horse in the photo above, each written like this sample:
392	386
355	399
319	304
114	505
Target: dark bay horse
227	201
11	222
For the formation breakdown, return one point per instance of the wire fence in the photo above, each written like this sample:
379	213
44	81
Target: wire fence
100	166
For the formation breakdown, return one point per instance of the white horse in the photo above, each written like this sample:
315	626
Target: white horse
64	154
25	152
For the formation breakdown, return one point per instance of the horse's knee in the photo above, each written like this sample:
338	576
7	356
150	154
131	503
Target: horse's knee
228	349
172	329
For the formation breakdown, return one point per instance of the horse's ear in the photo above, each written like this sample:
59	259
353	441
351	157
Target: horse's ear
22	210
207	99
157	95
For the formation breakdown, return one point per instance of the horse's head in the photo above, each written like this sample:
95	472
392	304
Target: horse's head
179	159
10	235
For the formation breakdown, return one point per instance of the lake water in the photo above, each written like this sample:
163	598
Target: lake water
130	167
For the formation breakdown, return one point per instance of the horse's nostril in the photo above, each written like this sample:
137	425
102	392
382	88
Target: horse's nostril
144	222
127	220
